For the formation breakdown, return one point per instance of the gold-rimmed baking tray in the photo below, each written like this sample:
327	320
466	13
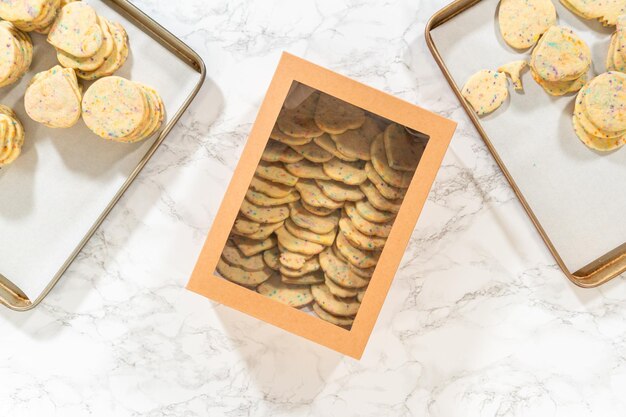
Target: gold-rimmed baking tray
573	195
71	173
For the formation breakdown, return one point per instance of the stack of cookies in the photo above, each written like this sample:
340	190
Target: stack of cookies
31	15
560	61
121	110
600	112
11	136
87	42
53	98
616	58
17	53
320	206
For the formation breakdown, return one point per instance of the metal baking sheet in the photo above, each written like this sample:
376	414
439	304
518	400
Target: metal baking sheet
55	195
576	195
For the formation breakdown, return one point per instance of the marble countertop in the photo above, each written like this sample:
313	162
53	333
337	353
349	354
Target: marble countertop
479	320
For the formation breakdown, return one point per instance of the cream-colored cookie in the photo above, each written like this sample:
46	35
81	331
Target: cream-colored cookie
279	136
318	211
292	295
336	320
326	143
362	272
263	200
360	258
365	226
339	291
372	214
387	191
245	226
241	276
26	10
279	152
594	142
292	260
351	173
308	279
339	191
251	247
275	172
312	195
377	200
307	169
95	61
307	220
357	143
269	188
586	124
312	152
264	231
522	22
77	30
263	215
297	245
336	116
514	71
233	256
391	176
309	266
559	88
11	136
271	258
358	239
360	295
116	58
325	239
336	306
604	99
299	122
16	55
53	98
403	150
560	55
485	91
114	107
340	271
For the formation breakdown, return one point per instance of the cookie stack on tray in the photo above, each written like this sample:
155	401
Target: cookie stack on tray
320	206
88	42
616	57
32	15
11	136
17	54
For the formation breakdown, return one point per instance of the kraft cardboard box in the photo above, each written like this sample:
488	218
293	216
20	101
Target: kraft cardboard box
321	205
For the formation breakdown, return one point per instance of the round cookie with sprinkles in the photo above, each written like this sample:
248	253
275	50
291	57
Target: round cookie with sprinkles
263	200
365	226
604	100
53	98
395	178
241	276
275	172
560	55
279	152
299	122
356	143
118	109
522	22
308	279
297	245
264	231
232	255
11	136
115	59
16	54
77	30
485	91
371	213
317	224
326	143
358	239
333	305
270	257
336	320
272	214
312	195
339	191
339	271
351	173
355	256
336	116
292	295
307	169
269	188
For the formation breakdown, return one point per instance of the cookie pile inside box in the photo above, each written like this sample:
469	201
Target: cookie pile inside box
321	205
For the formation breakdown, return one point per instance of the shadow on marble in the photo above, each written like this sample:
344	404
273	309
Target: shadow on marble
89	275
279	362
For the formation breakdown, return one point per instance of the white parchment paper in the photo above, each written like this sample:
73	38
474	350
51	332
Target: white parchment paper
51	196
578	195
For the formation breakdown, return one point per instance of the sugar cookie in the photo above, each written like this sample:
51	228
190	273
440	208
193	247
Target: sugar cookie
269	188
332	304
292	295
263	200
357	143
358	239
299	122
339	191
241	276
485	91
339	271
312	152
233	256
403	150
365	226
514	70
76	30
325	239
522	22
377	200
11	136
307	169
279	152
351	173
297	245
360	258
308	279
388	191
371	213
251	247
317	224
326	143
275	172
391	176
274	214
332	319
270	257
312	195
560	55
53	98
336	116
339	291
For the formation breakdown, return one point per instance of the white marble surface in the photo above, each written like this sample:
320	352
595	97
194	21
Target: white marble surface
479	320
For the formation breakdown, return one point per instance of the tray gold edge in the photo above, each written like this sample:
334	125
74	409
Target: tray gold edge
11	296
597	272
